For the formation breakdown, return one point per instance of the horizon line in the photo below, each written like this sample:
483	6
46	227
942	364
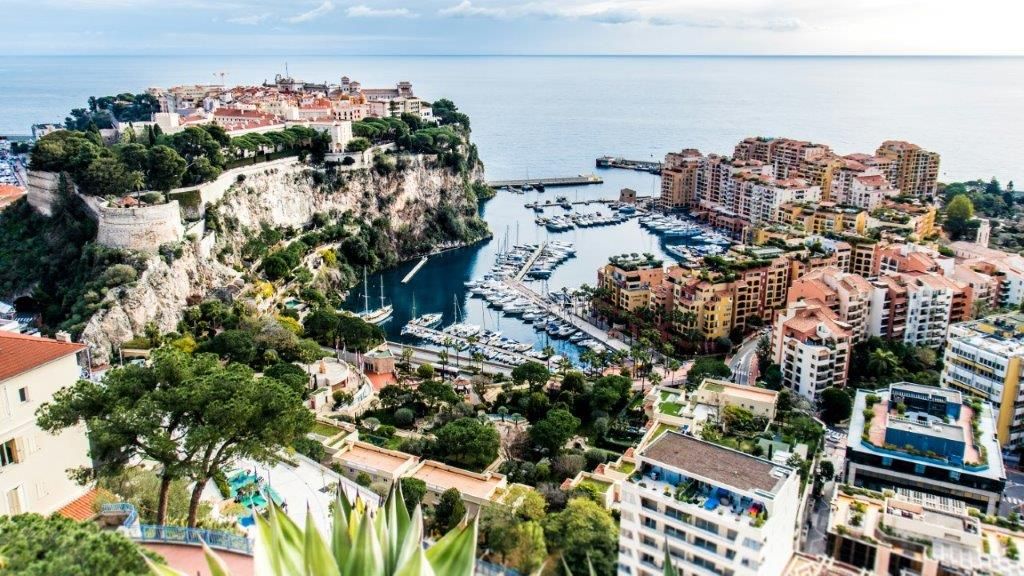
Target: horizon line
514	55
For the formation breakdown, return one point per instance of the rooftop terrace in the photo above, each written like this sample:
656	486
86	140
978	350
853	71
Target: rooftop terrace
441	477
717	464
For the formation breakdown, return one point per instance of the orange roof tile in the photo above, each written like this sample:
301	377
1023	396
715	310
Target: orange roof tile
20	353
84	507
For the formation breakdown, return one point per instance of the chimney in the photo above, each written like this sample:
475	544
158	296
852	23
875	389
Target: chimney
63	336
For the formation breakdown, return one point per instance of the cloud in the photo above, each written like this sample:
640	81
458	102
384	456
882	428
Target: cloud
614	16
774	24
467	9
364	11
616	12
251	20
326	7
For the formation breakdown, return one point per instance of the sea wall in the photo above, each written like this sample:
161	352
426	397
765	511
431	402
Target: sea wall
143	228
42	190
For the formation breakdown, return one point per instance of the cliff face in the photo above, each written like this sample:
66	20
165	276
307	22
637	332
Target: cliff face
291	196
278	197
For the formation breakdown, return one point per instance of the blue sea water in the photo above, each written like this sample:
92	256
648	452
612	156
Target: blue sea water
552	116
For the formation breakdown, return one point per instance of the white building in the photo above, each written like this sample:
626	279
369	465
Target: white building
717	510
812	348
929	301
34	464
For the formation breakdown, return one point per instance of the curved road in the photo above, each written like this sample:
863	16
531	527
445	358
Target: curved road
744	360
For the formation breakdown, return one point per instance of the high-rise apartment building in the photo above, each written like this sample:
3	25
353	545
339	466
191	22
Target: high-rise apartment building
717	510
915	171
812	348
983	358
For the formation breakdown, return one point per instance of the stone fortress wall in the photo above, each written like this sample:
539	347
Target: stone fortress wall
144	228
42	190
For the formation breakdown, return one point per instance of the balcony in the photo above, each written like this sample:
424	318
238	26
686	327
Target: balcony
693	494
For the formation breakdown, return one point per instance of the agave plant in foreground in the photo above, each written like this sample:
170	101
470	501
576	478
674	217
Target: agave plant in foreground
387	542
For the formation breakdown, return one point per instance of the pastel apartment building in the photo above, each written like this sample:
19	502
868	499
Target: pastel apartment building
631	280
763	174
914	171
717	510
847	295
913	532
34	464
928	440
983	358
812	348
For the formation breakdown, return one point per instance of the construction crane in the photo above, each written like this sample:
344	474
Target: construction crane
222	74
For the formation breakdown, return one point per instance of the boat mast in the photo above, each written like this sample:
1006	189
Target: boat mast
366	293
382	291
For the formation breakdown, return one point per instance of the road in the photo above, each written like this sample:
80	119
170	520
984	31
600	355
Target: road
815	524
743	362
1013	496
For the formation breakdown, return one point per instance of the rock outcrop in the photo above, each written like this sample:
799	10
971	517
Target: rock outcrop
282	195
158	296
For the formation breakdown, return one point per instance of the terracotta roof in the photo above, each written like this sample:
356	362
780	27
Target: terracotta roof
84	507
20	353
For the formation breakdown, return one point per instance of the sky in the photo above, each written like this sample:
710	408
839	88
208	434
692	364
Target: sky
799	27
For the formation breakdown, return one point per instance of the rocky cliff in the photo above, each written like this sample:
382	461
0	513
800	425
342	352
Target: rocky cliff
282	196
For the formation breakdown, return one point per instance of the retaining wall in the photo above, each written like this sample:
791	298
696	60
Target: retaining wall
144	228
42	190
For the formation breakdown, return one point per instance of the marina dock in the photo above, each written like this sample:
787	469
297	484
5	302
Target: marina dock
414	270
581	180
529	261
652	166
581	324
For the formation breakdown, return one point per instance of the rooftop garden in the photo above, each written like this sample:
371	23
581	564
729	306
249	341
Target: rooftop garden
634	261
668	404
889	214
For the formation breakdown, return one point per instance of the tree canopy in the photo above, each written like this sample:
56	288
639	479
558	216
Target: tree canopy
554	430
468	443
584	531
56	546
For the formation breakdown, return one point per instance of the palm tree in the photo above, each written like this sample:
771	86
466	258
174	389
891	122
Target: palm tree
882	363
589	357
442	357
478	357
564	365
548	352
387	543
673	366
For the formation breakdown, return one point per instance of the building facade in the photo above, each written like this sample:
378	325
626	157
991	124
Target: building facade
923	438
718	511
34	464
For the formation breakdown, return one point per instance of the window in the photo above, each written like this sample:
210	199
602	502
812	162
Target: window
10	452
14	501
23	394
705	525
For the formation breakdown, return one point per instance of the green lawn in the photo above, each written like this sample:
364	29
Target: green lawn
661	429
670	408
598	486
626	468
325	430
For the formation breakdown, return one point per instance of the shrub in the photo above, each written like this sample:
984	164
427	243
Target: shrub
364	479
404	417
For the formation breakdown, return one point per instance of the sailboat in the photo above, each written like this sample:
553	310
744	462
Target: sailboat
379	315
427	320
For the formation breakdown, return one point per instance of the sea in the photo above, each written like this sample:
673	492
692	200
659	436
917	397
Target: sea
541	116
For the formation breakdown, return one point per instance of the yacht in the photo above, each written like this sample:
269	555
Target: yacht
379	315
